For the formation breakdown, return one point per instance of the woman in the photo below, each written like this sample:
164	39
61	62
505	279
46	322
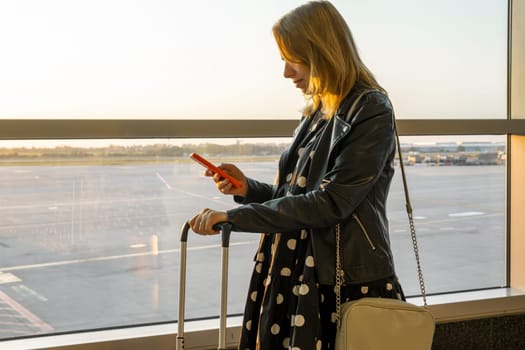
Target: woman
336	172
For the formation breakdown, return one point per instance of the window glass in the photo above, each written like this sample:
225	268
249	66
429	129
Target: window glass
438	59
217	59
90	231
457	190
91	227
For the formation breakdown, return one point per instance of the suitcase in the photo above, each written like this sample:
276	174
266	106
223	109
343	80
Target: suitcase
225	229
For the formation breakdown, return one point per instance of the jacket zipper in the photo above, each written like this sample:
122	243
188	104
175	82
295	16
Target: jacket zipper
364	231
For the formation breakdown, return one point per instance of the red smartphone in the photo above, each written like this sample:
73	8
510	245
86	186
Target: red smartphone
199	159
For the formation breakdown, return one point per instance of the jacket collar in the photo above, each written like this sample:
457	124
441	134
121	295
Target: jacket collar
337	128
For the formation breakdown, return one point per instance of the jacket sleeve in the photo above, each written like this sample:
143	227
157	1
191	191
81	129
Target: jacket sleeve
258	192
359	162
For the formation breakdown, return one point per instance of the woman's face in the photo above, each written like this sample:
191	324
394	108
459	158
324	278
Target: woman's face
299	73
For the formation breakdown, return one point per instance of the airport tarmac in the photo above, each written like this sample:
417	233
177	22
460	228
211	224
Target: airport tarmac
90	247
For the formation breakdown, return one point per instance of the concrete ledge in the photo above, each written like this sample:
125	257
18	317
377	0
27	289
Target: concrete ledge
204	334
479	308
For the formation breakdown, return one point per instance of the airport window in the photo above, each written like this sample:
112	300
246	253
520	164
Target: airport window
145	62
95	221
457	190
100	221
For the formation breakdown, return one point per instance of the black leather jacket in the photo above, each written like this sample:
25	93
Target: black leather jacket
348	184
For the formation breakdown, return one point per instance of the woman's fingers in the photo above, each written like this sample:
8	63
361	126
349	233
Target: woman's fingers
203	222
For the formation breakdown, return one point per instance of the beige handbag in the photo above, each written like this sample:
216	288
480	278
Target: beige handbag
382	323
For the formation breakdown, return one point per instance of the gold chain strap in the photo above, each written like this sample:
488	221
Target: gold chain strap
411	220
339	274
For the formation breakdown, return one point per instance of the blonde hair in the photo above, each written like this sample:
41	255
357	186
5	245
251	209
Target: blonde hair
315	34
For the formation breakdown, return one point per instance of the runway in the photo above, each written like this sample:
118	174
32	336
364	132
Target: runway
85	247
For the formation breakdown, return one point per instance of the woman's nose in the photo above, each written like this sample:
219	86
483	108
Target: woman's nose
288	71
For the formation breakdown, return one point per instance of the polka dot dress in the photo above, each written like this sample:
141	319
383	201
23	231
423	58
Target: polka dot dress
286	307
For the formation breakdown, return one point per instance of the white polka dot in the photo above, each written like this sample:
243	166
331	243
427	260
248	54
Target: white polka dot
310	261
253	296
300	152
249	325
299	321
286	272
364	289
333	317
280	298
260	257
258	268
301	278
291	244
303	290
296	348
304	234
275	329
312	154
301	181
322	298
289	177
286	342
295	290
389	286
319	345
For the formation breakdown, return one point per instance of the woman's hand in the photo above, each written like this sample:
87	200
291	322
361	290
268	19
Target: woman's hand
203	222
224	185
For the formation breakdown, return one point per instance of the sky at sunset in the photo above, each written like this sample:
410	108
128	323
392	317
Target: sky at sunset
217	59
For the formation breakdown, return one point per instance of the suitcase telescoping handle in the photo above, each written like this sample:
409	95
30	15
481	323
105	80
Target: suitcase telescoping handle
225	229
